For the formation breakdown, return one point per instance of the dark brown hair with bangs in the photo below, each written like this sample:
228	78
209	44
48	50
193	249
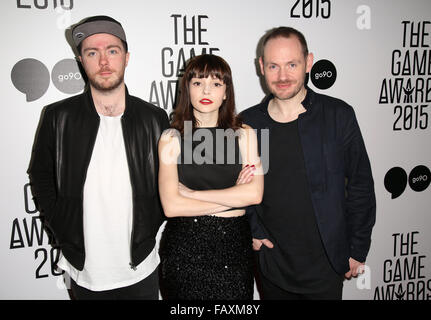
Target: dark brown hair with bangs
203	66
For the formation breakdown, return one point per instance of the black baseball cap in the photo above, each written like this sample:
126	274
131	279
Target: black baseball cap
97	24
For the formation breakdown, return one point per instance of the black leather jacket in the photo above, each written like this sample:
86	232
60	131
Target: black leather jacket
58	168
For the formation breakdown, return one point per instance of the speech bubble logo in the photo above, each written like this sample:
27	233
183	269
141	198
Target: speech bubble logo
323	74
67	77
419	178
395	181
31	77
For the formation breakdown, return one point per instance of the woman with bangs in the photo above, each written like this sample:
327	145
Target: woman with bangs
209	171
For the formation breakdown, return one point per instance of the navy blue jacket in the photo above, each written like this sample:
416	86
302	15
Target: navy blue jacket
338	173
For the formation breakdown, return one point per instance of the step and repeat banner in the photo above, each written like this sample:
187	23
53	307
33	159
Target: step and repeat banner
375	55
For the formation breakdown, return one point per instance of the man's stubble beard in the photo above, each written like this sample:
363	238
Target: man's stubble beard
99	86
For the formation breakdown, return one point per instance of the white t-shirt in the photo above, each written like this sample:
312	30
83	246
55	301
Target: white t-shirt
108	217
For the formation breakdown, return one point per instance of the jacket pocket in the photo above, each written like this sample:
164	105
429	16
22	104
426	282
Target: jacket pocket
66	221
51	213
148	216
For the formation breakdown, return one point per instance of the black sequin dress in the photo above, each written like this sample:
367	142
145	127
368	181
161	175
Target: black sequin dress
207	257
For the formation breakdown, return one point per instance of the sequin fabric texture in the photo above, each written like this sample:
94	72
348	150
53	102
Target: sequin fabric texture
207	258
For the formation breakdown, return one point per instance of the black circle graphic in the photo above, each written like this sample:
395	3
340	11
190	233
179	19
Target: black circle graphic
419	178
395	181
323	74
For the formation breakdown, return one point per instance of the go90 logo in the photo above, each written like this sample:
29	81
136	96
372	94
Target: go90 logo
70	76
323	74
396	180
31	77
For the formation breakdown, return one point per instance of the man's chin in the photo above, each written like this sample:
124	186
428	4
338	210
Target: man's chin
283	96
104	86
286	95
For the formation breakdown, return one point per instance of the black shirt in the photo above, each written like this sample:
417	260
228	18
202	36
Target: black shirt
298	261
210	159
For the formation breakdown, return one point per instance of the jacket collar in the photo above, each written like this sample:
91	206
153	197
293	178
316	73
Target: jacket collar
309	99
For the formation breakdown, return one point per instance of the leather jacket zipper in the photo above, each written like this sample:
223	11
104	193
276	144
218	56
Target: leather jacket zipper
126	146
86	170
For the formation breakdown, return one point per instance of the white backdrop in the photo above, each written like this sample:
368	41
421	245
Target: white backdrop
382	57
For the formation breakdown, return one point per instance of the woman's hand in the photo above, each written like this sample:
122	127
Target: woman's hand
246	175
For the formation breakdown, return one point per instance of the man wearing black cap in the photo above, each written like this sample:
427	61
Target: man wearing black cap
94	174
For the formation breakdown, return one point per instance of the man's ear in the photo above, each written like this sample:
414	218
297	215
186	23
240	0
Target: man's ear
261	63
127	58
309	61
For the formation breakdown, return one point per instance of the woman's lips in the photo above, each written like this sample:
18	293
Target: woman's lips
205	101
